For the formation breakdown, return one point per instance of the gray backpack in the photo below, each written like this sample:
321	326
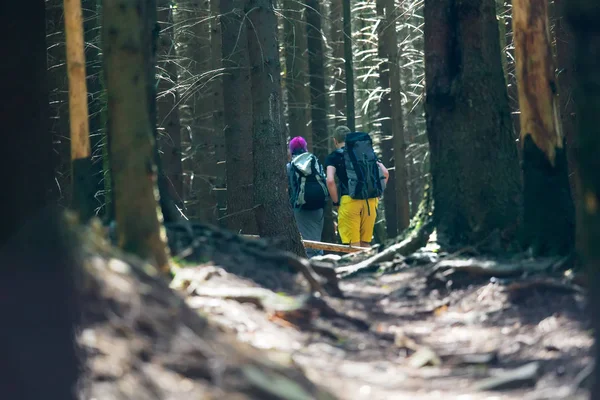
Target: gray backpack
310	182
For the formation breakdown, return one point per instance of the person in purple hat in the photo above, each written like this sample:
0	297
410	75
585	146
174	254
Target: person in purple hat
307	191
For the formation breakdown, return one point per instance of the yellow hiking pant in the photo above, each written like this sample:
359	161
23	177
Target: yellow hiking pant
356	221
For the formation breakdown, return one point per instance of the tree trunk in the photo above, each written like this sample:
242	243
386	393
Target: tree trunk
237	98
27	160
216	58
273	213
318	100
583	18
196	111
59	99
296	70
96	101
385	116
337	64
167	105
474	165
127	52
402	203
349	65
81	160
565	77
548	206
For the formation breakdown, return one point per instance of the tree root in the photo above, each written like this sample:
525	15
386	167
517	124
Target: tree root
412	243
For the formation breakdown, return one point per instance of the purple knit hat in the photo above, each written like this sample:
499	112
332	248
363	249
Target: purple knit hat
297	143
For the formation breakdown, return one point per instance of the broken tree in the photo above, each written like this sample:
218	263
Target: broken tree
549	226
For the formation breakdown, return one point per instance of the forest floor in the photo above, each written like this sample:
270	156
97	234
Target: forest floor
413	331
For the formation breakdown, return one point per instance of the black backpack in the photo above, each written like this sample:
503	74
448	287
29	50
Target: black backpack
365	178
310	182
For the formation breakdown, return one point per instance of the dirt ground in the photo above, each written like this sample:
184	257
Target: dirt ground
479	318
404	334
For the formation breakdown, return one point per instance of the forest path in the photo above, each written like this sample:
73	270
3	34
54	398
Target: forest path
423	340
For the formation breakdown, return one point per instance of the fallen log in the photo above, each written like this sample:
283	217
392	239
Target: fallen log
313	244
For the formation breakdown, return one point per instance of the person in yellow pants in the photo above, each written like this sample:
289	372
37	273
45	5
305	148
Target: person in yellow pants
356	218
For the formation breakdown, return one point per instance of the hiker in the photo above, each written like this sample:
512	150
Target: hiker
307	191
361	182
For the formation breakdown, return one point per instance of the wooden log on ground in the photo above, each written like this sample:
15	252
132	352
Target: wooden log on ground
313	244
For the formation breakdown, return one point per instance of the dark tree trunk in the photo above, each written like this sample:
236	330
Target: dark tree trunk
96	99
513	92
338	69
27	161
216	58
296	70
237	97
566	99
385	116
318	99
273	213
129	33
349	65
583	18
474	165
59	99
548	207
169	125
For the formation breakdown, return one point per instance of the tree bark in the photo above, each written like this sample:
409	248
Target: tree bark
548	207
96	102
216	58
385	116
127	53
318	100
273	213
566	99
81	160
337	64
296	70
167	105
237	98
402	202
27	160
474	165
348	65
583	18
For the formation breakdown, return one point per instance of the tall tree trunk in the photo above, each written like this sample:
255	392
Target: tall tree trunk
385	116
296	70
196	111
402	202
59	99
237	98
127	54
273	214
548	207
474	165
318	99
583	18
81	160
96	100
216	58
167	104
337	43
565	77
27	161
349	65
